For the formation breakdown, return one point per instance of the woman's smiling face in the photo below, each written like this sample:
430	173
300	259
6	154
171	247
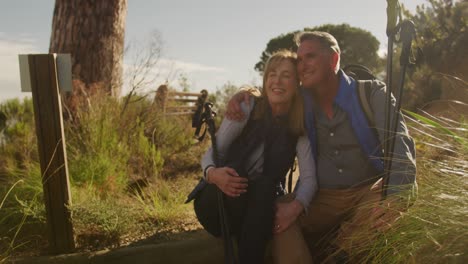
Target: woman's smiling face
281	83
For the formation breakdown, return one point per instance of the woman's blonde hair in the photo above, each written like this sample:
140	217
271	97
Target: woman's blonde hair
296	112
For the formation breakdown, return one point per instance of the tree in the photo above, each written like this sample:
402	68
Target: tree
349	38
93	33
442	35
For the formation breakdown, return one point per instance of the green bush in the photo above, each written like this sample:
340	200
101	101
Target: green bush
96	154
103	222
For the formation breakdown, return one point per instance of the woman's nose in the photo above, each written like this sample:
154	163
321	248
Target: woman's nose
275	79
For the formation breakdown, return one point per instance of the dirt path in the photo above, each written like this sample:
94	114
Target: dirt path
196	247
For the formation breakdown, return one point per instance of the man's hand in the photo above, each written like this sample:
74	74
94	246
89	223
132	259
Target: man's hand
286	214
228	181
234	111
385	214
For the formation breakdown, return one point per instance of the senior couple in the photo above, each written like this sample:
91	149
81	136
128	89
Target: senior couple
307	109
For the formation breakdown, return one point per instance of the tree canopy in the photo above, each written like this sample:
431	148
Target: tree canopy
443	35
358	46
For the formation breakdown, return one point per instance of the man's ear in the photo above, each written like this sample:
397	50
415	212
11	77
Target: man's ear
334	59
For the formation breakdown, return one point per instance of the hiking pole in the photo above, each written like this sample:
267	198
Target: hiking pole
393	14
225	232
407	33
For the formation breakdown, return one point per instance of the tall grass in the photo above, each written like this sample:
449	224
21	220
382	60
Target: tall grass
435	228
4	253
166	202
22	206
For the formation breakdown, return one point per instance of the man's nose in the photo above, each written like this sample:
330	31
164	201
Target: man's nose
300	67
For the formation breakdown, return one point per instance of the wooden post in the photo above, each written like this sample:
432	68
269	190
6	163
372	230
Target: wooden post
161	97
51	145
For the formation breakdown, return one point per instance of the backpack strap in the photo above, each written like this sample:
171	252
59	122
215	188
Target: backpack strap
364	90
359	72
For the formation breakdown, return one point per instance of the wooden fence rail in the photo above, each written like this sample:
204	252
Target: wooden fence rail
179	103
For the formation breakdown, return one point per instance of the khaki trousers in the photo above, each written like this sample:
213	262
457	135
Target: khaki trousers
333	217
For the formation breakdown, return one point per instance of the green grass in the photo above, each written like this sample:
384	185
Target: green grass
4	254
165	202
124	218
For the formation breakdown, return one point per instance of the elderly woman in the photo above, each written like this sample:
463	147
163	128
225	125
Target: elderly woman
255	155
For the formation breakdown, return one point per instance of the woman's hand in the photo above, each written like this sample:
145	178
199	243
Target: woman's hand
228	181
286	214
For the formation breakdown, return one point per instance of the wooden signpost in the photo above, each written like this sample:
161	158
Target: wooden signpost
43	75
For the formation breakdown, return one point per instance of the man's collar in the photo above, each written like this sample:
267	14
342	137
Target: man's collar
345	87
345	80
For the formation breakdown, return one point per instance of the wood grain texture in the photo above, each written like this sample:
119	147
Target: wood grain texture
93	33
52	154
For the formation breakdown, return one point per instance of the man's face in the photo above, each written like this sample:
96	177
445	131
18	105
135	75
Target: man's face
314	63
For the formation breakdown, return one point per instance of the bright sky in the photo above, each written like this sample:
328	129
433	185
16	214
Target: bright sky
211	41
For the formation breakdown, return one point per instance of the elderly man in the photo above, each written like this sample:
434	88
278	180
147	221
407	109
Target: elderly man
348	153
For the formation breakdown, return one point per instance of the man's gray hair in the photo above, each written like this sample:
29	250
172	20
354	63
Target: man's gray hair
326	40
